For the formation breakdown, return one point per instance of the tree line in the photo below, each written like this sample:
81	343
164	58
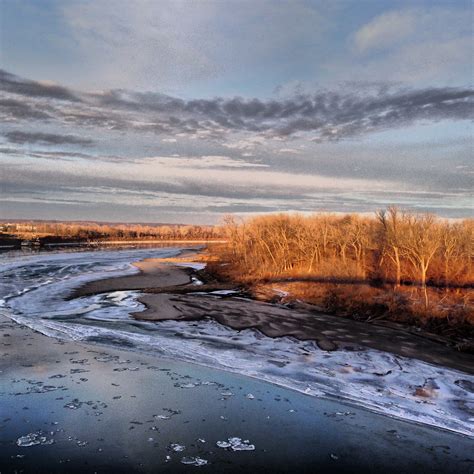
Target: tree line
99	231
394	246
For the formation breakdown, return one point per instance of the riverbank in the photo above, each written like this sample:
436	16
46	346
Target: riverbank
170	293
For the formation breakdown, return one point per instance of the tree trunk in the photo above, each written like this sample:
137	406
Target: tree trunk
398	268
423	285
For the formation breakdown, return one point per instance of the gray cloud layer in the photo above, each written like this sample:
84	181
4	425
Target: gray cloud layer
22	138
12	83
325	116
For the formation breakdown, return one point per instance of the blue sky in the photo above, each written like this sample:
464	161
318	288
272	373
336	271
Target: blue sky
185	111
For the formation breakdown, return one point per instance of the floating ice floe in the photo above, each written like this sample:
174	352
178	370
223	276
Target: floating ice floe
236	444
193	461
74	405
177	447
33	439
108	358
186	385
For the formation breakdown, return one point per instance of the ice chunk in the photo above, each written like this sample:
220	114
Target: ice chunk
177	447
223	444
107	358
186	385
193	461
33	439
236	444
74	405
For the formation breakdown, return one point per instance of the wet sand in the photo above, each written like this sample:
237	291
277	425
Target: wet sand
111	410
165	285
153	272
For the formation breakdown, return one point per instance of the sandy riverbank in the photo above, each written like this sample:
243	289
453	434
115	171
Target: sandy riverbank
153	273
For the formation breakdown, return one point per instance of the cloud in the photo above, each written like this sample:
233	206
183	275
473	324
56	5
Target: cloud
322	116
291	151
14	84
29	190
22	138
412	45
386	30
211	161
183	42
412	26
426	60
13	110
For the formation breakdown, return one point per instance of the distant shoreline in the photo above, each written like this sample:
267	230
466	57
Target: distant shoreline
97	243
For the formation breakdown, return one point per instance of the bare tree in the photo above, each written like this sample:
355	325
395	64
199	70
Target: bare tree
420	241
391	239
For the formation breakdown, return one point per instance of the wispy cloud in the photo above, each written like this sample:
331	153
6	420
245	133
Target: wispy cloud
393	28
25	87
386	30
197	162
22	138
322	116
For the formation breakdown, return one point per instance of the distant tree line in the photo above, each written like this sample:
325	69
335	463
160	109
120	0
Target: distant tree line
64	231
394	246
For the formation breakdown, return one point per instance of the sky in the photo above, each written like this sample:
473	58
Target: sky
185	111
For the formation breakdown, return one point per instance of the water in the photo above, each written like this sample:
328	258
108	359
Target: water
33	289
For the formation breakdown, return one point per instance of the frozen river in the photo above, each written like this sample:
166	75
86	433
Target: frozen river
33	291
